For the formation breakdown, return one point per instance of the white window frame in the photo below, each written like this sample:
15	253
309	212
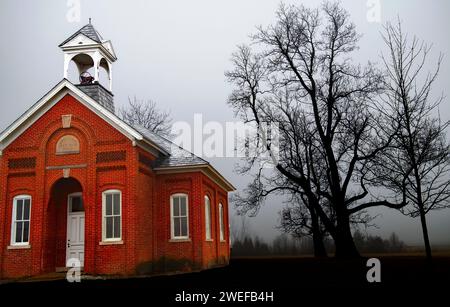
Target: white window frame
221	224
107	192
172	224
208	224
14	221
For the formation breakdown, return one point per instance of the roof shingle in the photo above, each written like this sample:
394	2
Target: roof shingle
89	31
178	156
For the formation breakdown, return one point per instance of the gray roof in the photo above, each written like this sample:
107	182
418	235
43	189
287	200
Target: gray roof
89	31
178	156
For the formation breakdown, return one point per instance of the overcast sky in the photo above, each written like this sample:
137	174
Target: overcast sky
176	52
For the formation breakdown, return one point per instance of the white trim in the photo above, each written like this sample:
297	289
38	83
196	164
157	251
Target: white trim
119	124
208	224
28	246
150	146
111	240
88	41
13	221
172	226
50	99
90	48
180	240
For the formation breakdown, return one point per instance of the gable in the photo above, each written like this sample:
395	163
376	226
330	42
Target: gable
79	40
62	89
88	31
108	46
85	127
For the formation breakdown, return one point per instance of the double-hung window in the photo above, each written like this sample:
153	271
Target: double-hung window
179	213
112	215
20	230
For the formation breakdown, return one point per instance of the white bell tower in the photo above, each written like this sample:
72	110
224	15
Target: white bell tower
87	49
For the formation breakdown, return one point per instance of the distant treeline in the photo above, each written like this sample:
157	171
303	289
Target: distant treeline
285	245
376	244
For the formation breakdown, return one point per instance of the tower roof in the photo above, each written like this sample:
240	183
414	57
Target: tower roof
88	31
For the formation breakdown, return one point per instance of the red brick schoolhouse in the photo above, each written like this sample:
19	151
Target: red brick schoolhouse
76	182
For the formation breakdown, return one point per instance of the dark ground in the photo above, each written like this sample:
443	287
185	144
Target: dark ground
294	282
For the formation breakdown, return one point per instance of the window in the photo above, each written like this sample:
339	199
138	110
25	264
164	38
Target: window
208	218
221	225
179	216
76	203
20	232
112	215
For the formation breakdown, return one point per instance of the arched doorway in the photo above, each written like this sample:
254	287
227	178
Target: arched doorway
65	225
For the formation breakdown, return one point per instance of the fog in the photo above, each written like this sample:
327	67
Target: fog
176	52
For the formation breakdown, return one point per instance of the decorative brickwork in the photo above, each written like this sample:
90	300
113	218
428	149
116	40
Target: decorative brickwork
22	163
111	156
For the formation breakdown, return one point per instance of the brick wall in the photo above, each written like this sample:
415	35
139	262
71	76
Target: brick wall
106	160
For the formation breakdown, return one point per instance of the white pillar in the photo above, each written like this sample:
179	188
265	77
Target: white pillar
96	71
96	58
110	77
66	65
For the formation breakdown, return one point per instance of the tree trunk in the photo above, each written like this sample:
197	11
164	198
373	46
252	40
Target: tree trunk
319	247
345	246
422	213
426	239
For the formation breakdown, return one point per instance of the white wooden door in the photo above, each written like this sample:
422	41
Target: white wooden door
75	228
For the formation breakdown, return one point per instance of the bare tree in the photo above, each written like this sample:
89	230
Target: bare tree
305	80
300	220
417	164
147	115
239	228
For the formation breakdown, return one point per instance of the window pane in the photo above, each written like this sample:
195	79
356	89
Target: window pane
184	226
109	227
117	227
18	232
108	204
176	227
208	220
176	206
19	207
26	209
26	227
116	204
183	206
77	204
221	221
